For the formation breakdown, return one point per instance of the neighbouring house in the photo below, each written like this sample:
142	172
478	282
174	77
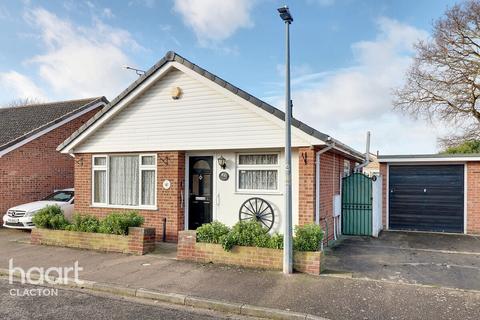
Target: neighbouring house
184	147
433	192
30	166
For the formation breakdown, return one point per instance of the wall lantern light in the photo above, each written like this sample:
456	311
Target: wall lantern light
222	162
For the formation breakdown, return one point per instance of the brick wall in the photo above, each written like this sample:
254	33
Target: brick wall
473	197
139	240
34	170
170	165
331	172
251	257
306	186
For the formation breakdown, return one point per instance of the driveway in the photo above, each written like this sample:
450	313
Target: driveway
419	258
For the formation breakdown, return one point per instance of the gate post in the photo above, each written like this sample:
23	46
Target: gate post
377	199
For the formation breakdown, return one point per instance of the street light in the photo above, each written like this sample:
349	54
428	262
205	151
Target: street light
287	240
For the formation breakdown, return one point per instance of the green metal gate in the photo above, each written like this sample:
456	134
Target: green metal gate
357	205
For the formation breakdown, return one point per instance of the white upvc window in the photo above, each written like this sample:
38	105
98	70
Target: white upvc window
258	172
99	180
124	181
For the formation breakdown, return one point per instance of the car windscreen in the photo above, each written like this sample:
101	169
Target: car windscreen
61	196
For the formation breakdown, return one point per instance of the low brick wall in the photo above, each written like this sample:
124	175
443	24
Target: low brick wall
138	241
252	257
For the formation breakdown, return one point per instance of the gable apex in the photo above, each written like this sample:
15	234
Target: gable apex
172	58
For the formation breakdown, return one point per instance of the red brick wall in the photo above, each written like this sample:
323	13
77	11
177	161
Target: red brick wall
473	197
34	170
331	171
170	165
306	186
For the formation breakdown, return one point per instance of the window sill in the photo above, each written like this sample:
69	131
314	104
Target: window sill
259	192
109	206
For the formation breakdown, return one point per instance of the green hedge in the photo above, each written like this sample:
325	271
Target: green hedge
251	233
51	217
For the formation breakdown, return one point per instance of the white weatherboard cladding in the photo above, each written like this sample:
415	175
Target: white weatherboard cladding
227	200
202	119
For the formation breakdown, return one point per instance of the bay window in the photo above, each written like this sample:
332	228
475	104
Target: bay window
257	172
124	180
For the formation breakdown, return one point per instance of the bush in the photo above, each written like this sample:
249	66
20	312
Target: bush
252	234
84	223
212	232
308	237
247	233
276	241
50	217
118	223
244	233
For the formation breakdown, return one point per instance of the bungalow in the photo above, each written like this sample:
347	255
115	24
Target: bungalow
30	166
184	147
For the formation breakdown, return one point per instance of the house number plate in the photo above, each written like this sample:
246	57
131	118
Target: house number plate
223	176
166	184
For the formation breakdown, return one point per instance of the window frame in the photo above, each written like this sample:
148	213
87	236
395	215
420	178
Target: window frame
256	167
141	167
147	167
100	168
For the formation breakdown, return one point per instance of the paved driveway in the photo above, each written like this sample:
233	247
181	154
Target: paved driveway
408	257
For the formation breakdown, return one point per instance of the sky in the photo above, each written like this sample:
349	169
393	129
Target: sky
346	55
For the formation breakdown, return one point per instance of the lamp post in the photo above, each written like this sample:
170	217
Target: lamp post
287	240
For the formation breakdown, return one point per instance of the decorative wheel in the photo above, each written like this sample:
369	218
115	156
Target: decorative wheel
259	210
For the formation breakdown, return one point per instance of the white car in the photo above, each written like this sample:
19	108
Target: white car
20	217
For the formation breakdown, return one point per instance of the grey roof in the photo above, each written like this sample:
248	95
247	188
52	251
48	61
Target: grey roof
19	123
173	56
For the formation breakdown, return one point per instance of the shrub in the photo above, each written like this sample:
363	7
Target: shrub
212	232
118	223
276	241
84	223
228	241
246	233
251	233
50	217
307	237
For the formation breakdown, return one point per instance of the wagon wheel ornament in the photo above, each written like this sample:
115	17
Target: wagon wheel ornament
259	210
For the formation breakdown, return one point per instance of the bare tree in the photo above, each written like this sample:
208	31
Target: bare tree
21	102
443	83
